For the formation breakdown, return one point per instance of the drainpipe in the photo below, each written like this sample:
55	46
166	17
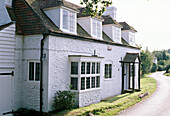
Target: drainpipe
41	78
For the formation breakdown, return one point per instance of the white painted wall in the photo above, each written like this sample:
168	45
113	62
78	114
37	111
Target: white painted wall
129	37
3	13
8	2
108	29
60	48
85	22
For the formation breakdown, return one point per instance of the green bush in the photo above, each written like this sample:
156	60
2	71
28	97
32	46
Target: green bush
154	68
161	68
64	100
168	68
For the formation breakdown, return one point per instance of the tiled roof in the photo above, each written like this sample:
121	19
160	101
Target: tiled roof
127	26
131	57
109	20
56	3
124	42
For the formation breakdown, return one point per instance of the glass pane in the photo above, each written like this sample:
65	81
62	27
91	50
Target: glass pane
37	72
83	68
31	70
93	68
110	70
72	22
93	82
97	81
87	82
74	67
88	68
65	19
83	83
98	29
106	71
74	83
94	26
98	68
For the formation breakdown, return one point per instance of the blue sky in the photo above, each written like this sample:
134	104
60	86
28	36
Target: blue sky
151	18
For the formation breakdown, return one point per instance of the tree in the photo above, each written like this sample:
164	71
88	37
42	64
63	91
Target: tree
92	6
147	61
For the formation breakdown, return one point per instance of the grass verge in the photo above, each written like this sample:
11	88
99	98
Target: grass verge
167	74
113	105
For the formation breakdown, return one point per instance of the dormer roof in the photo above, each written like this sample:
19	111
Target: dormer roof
109	20
127	26
56	3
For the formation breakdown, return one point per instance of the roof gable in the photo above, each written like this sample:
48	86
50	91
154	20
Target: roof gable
127	26
109	20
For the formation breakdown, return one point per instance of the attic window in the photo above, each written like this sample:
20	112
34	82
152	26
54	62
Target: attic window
68	21
96	28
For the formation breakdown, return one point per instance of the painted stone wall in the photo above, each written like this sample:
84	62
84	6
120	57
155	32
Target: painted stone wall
59	77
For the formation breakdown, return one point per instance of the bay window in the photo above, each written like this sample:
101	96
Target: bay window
85	73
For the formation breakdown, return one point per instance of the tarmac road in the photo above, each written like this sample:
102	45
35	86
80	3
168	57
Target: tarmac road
158	104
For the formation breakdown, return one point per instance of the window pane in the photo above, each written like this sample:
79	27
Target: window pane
65	19
110	70
83	83
74	67
83	68
74	83
31	70
97	81
37	72
88	68
93	68
106	71
93	82
72	22
98	29
94	26
87	82
98	68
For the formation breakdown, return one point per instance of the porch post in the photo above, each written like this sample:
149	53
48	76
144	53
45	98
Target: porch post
129	77
122	77
139	76
133	85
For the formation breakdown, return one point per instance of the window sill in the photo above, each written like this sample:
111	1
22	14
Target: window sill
110	79
87	90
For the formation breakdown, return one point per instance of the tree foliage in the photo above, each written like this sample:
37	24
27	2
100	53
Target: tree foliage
95	7
147	61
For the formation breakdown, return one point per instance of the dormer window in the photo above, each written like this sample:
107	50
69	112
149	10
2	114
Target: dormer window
69	21
96	28
116	34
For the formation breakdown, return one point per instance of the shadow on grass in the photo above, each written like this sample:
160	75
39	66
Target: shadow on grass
112	99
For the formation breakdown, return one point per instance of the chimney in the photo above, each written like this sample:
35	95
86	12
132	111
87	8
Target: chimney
111	11
3	12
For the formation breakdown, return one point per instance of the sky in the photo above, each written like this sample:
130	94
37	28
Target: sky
151	18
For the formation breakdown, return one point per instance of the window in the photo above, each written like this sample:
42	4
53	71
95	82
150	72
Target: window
74	67
117	33
108	71
74	83
34	71
96	28
89	77
69	20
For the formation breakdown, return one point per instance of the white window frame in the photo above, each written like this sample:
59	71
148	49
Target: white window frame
79	75
74	21
96	26
34	71
116	34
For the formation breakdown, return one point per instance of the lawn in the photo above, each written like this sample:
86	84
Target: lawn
113	105
167	74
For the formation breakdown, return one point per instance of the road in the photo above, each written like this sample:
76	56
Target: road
156	105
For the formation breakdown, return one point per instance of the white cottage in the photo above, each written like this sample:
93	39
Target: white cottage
97	56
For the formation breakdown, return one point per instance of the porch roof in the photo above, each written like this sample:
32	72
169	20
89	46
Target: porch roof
131	58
